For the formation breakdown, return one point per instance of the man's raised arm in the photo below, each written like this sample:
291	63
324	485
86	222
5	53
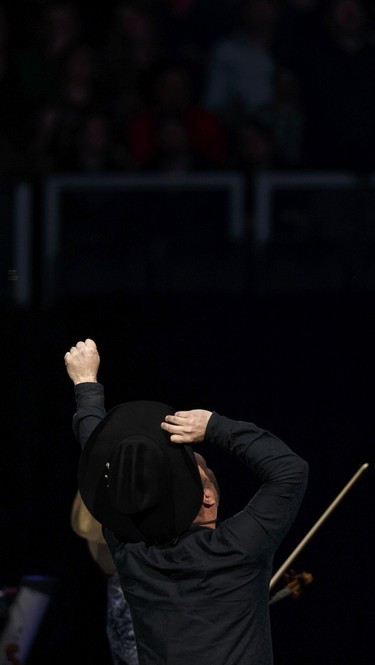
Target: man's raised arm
82	364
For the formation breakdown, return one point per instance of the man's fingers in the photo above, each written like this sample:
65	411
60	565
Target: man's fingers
177	418
80	350
172	429
176	427
178	433
87	344
177	438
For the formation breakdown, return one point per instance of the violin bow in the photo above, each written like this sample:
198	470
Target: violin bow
318	524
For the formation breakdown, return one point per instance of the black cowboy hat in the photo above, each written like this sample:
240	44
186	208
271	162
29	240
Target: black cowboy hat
134	481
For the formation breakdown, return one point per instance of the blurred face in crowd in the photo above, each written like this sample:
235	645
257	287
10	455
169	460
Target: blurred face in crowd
347	17
80	64
173	139
96	132
260	16
304	5
173	90
62	24
132	22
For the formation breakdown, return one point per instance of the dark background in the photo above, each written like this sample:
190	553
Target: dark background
280	334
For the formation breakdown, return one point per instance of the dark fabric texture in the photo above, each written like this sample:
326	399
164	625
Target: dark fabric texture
204	599
120	631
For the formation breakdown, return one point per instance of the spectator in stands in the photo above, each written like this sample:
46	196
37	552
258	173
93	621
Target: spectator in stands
96	150
61	30
299	22
336	75
44	40
132	48
192	27
58	125
174	152
79	78
175	124
285	117
241	68
12	107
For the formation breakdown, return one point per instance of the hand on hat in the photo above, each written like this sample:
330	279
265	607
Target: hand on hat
82	362
187	426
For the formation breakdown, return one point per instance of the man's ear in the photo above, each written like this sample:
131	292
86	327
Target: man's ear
209	497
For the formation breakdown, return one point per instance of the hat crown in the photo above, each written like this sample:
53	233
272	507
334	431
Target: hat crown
134	481
137	475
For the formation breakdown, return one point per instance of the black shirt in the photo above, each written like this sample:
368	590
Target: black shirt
204	599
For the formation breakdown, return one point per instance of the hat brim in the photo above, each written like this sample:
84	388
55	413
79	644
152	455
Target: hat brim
183	493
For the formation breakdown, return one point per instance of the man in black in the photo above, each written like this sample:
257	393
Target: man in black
199	595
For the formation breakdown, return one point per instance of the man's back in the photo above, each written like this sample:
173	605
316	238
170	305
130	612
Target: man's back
206	594
203	598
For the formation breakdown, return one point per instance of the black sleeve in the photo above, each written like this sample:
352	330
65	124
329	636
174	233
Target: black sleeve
90	409
283	475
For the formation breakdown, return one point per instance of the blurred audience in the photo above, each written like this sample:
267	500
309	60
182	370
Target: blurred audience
54	32
133	47
177	85
96	151
241	67
173	150
12	108
58	124
284	115
176	128
335	71
60	32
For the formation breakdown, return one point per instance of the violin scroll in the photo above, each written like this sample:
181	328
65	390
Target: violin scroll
294	585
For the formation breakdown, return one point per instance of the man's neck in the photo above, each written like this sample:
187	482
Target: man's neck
211	524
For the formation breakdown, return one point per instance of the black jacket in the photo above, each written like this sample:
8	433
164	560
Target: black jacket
205	599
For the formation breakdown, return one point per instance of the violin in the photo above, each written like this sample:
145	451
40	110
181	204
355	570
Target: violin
294	586
294	582
318	524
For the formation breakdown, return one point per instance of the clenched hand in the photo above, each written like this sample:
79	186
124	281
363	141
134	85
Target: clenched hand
82	362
